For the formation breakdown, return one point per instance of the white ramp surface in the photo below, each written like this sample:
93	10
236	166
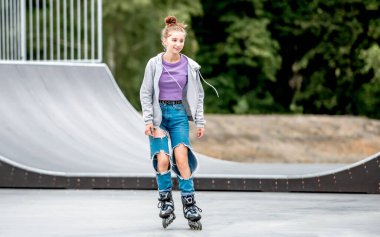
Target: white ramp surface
69	118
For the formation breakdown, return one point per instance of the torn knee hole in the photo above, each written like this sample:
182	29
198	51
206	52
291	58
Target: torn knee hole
159	133
181	145
163	172
162	155
181	150
163	163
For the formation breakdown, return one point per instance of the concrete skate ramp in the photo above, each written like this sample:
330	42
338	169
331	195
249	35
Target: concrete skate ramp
70	126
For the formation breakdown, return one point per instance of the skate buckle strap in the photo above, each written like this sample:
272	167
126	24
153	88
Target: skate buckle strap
189	199
164	199
164	203
190	203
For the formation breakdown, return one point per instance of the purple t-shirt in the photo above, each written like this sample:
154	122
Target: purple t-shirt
171	89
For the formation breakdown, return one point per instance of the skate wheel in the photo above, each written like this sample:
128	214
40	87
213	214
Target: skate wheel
195	225
167	221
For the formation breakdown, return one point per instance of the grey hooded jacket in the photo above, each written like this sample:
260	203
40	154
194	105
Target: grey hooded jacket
192	97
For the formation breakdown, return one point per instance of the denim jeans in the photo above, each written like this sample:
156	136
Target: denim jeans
175	124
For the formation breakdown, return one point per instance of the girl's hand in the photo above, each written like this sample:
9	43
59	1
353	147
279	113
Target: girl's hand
200	132
149	129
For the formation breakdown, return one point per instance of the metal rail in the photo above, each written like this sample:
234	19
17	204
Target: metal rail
51	30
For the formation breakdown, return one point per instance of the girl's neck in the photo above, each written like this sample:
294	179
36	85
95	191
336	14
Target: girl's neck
171	58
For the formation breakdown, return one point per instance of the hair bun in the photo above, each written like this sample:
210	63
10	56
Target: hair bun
170	20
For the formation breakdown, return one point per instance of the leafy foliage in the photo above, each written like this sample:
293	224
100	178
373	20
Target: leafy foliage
239	55
331	35
293	56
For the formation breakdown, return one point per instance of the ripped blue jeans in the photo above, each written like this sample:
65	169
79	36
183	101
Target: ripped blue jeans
175	124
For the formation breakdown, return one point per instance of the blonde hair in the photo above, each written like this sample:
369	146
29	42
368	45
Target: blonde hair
172	25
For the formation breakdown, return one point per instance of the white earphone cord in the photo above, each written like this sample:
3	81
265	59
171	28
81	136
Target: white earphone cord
217	94
172	77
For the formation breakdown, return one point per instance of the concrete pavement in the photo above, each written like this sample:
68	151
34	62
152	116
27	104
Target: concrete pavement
34	212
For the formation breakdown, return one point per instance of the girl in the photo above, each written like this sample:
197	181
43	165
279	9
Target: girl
171	94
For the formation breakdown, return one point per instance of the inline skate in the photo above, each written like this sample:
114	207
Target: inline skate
166	206
192	212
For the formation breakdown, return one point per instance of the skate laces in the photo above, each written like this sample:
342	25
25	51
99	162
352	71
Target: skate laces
194	208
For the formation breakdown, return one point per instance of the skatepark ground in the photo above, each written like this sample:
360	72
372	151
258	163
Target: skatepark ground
46	212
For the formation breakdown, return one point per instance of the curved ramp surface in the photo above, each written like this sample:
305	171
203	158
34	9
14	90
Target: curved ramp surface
69	126
68	119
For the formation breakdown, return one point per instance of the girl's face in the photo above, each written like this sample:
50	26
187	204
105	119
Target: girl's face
175	42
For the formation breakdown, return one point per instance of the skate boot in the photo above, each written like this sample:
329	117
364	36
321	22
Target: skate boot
166	206
191	212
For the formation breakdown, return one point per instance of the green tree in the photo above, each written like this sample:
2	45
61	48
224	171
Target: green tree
238	56
290	56
322	42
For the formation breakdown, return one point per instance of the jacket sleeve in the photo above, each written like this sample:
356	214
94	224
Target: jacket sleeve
199	116
147	93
